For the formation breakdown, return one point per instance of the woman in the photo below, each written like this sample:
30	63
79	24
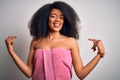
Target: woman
54	48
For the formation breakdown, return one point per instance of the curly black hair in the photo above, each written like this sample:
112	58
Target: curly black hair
38	24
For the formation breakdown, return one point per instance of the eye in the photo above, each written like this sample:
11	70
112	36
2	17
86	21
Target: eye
53	16
61	17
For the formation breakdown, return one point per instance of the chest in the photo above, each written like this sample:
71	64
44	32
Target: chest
49	44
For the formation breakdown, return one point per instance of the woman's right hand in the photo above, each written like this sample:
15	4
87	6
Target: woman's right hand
9	42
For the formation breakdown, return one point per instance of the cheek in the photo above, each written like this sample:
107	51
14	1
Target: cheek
50	22
62	22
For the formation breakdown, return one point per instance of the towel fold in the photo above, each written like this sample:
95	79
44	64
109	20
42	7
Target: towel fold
53	64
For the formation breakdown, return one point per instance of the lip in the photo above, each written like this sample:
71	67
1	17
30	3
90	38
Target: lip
56	24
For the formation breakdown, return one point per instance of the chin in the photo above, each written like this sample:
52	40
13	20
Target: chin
55	29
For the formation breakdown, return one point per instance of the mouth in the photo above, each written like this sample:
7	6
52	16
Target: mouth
56	25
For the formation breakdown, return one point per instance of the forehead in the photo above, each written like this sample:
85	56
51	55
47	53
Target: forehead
56	11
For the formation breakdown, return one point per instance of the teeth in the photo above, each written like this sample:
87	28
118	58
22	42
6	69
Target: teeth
56	25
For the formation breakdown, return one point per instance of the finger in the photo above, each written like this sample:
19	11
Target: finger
10	40
94	40
90	39
12	37
12	43
94	48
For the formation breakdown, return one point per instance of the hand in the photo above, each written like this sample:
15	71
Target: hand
98	44
9	42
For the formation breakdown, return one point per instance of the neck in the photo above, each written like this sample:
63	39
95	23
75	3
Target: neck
53	35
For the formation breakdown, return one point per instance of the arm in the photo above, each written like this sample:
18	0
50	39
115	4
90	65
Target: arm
83	71
25	68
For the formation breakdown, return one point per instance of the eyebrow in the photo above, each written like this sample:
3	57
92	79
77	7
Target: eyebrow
56	14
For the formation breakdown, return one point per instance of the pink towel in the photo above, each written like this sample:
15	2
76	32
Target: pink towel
53	64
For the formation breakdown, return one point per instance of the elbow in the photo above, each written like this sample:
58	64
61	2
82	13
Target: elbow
81	76
29	75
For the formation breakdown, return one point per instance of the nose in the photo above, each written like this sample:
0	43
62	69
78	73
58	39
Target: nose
57	19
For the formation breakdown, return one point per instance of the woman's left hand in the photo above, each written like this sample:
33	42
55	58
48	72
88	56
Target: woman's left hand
99	45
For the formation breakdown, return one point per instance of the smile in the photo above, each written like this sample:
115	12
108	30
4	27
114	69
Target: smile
56	24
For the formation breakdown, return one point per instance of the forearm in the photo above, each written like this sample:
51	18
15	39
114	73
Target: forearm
89	67
21	65
26	69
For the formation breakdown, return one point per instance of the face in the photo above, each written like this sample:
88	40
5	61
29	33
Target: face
56	20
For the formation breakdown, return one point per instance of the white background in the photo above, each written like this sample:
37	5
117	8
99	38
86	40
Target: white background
99	19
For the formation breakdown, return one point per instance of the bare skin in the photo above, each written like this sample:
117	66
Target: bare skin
57	40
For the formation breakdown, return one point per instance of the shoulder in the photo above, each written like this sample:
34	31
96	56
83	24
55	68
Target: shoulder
72	42
33	43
